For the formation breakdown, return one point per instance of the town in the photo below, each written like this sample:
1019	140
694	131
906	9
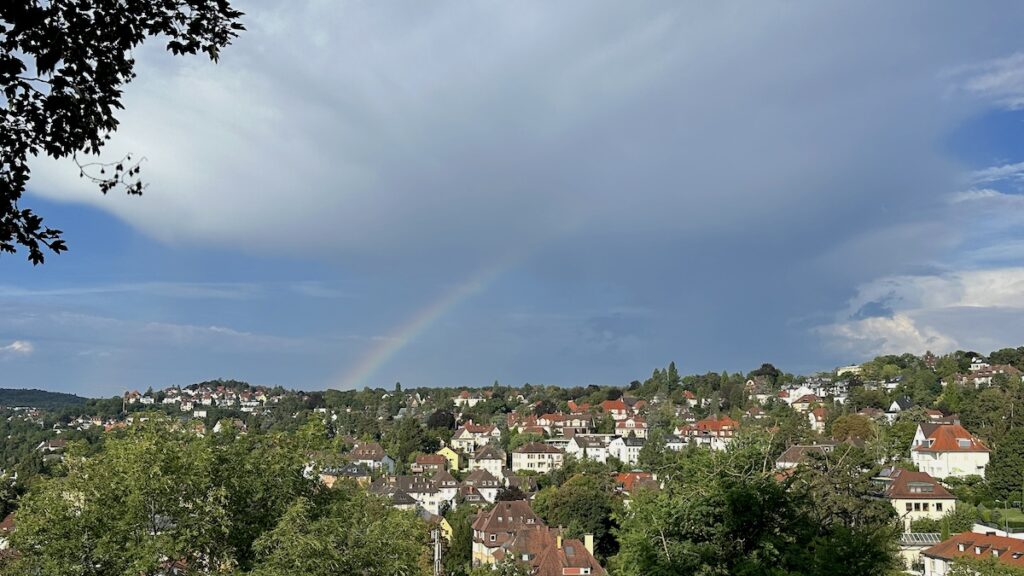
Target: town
551	481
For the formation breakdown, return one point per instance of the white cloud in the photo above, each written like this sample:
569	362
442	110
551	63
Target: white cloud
978	309
1000	80
17	348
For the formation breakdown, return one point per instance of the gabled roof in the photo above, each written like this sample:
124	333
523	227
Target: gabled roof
949	438
807	399
427	459
1010	550
904	402
369	451
631	480
616	405
798	453
536	448
507	516
443	479
907	484
489	452
481	477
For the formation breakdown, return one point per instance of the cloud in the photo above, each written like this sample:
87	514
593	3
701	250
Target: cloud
978	309
1000	80
445	134
17	348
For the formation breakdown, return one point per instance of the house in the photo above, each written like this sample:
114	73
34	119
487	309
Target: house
54	446
487	484
617	408
945	450
372	456
471	436
634	425
453	457
755	413
511	530
799	453
916	495
446	484
467	400
627	482
978	364
626	449
938	559
545	552
901	404
497	527
357	472
490	458
536	456
913	543
592	446
690	398
674	442
805	402
715	433
817	418
429	464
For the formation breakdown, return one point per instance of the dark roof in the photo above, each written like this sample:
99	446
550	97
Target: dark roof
489	452
536	448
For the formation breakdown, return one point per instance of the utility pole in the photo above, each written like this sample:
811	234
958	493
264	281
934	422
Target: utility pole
436	533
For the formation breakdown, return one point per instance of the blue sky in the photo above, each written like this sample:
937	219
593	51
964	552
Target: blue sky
453	193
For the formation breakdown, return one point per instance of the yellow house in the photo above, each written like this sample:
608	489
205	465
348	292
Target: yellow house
453	457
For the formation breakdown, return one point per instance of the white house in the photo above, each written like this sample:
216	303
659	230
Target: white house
626	450
945	450
592	446
916	495
536	456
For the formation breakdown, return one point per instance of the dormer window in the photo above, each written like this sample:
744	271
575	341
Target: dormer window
964	442
960	547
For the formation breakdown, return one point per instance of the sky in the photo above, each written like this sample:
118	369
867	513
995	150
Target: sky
452	193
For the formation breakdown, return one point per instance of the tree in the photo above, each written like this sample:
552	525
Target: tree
725	513
146	498
63	67
355	534
853	426
1005	473
460	551
510	494
585	504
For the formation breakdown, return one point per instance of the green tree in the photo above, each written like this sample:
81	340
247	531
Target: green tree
1005	473
585	504
725	513
459	556
355	534
853	426
145	498
63	68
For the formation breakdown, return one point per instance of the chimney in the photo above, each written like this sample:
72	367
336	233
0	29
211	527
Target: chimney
588	543
558	539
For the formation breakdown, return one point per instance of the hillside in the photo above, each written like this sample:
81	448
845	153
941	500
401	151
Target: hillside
11	397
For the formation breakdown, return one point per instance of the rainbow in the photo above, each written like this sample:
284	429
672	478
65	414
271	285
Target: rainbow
417	325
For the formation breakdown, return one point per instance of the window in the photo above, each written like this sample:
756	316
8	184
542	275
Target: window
909	506
938	506
494	537
924	506
917	506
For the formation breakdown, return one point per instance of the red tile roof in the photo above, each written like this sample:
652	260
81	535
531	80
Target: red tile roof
1009	551
947	438
613	405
